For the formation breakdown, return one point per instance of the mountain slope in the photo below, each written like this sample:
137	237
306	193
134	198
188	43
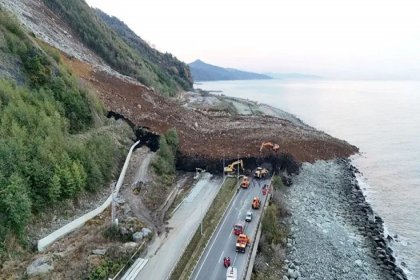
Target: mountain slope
172	67
202	71
112	48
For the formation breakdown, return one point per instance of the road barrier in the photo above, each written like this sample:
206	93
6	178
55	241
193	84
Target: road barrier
73	225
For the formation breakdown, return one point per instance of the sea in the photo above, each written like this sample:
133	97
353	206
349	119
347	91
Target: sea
381	118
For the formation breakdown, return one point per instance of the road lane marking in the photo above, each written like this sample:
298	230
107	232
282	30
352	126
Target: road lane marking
217	234
221	256
234	259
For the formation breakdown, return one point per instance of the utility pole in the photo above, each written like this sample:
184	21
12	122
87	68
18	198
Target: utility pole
238	166
223	167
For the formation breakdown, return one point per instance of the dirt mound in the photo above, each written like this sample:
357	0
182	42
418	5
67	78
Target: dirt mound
205	136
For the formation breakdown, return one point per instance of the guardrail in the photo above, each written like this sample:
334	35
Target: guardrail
66	229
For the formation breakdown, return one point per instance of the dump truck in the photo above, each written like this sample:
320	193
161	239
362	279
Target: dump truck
241	243
245	182
239	228
231	273
231	168
256	203
260	172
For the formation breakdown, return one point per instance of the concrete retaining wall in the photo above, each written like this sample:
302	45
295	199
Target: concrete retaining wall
66	229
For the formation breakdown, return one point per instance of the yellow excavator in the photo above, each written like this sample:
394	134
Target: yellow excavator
274	147
231	168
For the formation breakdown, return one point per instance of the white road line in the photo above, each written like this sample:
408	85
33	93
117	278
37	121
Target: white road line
215	237
234	259
221	256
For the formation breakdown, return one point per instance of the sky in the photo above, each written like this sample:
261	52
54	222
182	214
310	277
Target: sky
344	39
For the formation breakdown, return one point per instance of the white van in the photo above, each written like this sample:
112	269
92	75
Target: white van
231	273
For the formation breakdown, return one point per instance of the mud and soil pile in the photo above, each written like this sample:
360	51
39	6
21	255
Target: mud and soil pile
205	137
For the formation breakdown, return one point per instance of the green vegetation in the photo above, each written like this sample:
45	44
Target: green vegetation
48	152
164	163
277	183
107	268
271	248
274	234
170	67
210	221
109	45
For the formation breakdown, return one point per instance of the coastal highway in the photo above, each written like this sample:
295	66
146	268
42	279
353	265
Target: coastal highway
223	242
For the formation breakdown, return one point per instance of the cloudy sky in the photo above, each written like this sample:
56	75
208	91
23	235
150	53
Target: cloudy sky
355	39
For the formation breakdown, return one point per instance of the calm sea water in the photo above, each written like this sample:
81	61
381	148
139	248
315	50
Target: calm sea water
382	118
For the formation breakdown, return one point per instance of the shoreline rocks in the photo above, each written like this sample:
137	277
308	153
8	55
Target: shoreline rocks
334	232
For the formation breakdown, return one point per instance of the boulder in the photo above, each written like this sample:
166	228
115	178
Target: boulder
99	252
358	263
137	236
40	266
146	232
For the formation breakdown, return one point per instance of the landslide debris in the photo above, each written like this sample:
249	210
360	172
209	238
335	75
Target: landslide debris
205	134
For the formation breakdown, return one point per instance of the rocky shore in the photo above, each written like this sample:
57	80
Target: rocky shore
334	233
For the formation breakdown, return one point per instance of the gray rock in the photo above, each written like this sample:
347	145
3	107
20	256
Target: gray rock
146	232
40	266
290	273
358	262
123	231
99	252
285	277
137	236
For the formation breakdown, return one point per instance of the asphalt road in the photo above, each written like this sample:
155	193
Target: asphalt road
164	252
223	241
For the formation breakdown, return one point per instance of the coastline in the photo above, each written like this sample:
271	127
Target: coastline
334	232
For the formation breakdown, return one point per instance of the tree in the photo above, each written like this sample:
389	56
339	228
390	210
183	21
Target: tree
16	204
172	139
54	188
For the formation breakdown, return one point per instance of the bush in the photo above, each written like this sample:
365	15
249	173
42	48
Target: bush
277	183
164	163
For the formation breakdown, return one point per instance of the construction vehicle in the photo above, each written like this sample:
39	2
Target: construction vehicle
231	168
241	243
239	228
260	172
274	147
245	182
256	203
231	273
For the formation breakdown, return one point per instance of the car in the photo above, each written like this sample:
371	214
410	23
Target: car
248	216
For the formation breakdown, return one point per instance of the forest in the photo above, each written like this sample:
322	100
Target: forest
49	151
